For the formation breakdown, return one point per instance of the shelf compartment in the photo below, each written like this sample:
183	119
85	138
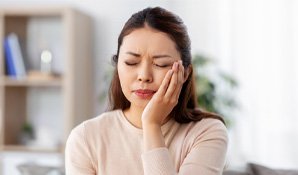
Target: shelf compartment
14	113
31	82
42	107
25	148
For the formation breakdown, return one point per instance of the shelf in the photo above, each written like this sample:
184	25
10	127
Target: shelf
55	82
29	148
34	10
61	99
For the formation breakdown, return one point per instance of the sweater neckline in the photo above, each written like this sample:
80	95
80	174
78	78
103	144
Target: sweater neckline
164	128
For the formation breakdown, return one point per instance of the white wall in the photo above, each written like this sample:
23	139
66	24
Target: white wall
264	53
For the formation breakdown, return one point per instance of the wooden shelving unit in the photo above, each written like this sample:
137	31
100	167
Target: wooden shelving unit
75	85
9	82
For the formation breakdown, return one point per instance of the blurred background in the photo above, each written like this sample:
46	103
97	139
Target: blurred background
246	62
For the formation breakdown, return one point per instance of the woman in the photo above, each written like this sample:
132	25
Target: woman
153	127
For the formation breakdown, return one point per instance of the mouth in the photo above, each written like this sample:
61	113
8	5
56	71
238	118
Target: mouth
144	93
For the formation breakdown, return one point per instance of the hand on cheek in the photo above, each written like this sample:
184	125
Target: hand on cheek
166	98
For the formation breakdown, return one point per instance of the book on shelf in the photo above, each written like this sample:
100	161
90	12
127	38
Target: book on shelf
14	58
10	65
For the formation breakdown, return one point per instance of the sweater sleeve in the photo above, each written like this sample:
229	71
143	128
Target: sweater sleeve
77	155
206	155
158	162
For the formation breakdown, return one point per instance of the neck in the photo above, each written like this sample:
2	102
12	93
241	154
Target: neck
134	116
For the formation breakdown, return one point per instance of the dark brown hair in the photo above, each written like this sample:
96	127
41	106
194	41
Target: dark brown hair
162	20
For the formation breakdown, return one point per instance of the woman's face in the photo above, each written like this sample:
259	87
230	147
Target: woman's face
145	57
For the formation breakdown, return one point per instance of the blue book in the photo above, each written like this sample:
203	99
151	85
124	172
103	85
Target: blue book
10	64
14	57
17	55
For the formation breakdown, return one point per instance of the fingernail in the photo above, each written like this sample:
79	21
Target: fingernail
180	61
176	65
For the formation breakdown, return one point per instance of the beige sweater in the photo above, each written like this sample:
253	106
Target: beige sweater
110	145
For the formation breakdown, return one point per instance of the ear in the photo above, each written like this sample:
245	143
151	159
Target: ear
187	72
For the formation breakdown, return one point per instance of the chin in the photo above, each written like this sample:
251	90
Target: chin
140	103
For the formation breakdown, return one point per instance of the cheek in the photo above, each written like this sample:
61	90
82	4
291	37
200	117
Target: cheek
125	77
159	76
122	76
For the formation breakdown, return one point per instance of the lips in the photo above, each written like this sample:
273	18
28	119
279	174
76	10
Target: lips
144	93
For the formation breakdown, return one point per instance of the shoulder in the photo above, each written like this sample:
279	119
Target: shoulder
100	122
206	129
83	141
210	124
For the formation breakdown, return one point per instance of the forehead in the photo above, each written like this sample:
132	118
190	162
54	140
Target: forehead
148	39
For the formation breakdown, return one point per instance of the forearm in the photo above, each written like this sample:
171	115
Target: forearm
156	158
153	137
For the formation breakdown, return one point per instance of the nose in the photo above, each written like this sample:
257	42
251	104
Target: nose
145	74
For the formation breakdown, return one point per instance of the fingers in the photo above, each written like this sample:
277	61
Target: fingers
165	83
176	82
173	82
180	80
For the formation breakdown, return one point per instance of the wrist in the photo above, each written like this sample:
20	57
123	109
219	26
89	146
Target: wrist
153	137
151	125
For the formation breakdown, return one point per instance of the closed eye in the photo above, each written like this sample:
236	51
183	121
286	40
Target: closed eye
162	66
130	64
158	65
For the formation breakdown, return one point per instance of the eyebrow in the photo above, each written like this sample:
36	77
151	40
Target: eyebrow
155	56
